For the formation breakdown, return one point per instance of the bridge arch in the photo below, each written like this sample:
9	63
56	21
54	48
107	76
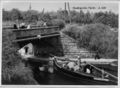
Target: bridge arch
46	40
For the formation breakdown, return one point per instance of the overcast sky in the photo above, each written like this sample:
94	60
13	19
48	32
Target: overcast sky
56	5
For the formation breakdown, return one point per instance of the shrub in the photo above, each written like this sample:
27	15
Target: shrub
95	37
58	22
13	70
71	30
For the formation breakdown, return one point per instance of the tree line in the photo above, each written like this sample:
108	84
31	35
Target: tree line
62	17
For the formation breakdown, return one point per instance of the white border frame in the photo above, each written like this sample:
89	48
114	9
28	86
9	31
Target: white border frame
59	86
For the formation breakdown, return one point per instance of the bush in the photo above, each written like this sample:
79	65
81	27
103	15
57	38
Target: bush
71	30
18	75
58	22
13	70
95	37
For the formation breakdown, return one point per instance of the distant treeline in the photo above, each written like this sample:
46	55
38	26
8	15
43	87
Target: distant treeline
62	16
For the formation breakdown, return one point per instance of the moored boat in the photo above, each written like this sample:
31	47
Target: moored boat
96	76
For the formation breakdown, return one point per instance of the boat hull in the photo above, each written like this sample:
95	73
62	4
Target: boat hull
87	80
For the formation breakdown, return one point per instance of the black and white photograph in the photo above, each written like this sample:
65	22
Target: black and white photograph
60	43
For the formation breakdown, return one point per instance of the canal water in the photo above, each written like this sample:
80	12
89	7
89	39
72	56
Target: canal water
59	78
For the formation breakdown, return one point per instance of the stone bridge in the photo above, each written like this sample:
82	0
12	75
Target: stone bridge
49	40
46	40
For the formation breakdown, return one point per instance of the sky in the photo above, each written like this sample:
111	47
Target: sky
56	5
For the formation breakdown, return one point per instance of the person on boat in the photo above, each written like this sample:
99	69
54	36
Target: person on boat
76	67
103	73
50	64
63	65
88	69
71	65
79	61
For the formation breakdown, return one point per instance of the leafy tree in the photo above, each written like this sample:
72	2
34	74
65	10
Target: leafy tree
81	16
46	17
73	16
63	14
107	18
58	22
6	15
15	14
53	15
13	69
30	16
88	18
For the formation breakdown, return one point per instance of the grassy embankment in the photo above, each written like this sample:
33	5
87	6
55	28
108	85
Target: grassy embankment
95	37
13	69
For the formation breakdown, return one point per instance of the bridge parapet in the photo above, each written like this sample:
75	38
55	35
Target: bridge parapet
33	32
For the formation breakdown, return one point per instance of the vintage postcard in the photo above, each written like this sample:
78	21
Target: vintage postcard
60	43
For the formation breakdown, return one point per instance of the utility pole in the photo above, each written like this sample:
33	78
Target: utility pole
30	7
43	11
65	6
69	12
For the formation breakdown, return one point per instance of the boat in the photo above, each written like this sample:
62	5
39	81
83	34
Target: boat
98	76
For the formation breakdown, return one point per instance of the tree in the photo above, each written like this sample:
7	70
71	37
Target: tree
63	14
87	18
58	22
16	14
107	18
46	17
6	15
30	16
81	17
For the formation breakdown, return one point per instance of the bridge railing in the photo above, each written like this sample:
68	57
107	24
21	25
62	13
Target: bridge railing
23	33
